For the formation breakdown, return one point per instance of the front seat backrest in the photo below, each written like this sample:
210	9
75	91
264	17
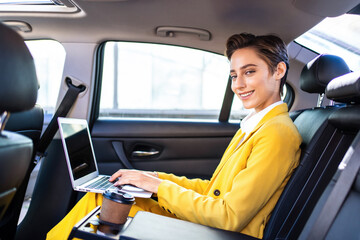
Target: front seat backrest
18	92
28	123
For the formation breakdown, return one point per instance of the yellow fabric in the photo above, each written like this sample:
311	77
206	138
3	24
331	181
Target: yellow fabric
249	180
82	208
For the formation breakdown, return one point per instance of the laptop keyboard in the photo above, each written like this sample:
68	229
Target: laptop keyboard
101	184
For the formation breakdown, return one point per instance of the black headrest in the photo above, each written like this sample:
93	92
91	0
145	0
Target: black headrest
18	82
345	89
320	71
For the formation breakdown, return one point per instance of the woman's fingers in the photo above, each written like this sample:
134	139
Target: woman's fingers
115	175
141	179
129	177
120	172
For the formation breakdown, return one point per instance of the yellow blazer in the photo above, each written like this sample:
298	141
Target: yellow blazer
247	182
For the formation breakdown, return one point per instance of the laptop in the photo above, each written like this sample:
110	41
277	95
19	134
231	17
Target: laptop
81	161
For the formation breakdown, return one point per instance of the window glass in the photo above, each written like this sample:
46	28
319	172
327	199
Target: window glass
339	36
37	6
27	2
49	59
142	80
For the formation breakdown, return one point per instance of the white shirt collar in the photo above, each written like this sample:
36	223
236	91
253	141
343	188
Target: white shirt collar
253	118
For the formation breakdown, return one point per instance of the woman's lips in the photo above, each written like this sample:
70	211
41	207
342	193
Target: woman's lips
246	95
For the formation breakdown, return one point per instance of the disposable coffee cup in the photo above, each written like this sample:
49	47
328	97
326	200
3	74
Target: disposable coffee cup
115	207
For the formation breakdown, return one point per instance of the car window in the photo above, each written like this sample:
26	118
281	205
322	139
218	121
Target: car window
49	59
339	36
143	80
47	6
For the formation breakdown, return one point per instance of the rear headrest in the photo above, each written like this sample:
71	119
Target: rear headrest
345	89
18	82
320	71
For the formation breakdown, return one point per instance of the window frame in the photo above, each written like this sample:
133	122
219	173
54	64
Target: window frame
224	111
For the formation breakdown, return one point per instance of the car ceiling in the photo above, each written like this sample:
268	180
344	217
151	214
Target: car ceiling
136	20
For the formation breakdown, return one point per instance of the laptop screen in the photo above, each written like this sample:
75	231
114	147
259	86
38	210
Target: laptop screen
79	149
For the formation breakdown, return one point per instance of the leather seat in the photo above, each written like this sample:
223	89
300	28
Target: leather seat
346	224
28	123
315	131
18	93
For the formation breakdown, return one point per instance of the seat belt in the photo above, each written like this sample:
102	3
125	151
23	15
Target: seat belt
339	193
227	103
63	109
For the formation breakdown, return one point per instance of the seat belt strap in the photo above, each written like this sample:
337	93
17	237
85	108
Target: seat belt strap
339	193
227	103
63	109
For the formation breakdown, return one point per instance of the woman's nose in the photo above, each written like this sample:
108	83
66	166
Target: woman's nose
239	83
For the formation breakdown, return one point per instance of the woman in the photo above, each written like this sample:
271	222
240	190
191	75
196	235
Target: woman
254	168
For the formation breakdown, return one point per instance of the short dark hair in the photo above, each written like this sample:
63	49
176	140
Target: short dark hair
270	48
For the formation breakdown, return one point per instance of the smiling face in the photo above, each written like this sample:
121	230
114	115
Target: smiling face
252	81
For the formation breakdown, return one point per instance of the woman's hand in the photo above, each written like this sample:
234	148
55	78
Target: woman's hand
148	181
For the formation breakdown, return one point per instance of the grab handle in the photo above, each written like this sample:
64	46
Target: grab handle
144	153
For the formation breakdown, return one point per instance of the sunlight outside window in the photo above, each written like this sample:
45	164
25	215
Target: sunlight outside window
23	2
338	36
49	59
142	80
35	6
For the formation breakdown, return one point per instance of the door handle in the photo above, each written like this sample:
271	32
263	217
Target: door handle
144	153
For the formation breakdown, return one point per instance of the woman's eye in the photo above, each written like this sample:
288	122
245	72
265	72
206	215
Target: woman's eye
233	77
249	72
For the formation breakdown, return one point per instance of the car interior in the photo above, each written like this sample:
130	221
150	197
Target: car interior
151	79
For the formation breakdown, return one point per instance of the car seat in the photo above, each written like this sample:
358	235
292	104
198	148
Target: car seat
315	131
18	93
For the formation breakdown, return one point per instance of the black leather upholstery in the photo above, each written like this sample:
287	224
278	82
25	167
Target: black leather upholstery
347	222
28	123
320	71
347	119
345	88
18	92
317	133
329	145
17	73
19	149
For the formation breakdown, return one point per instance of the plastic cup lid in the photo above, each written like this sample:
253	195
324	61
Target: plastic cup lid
119	197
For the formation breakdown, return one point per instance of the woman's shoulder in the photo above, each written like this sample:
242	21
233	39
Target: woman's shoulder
281	125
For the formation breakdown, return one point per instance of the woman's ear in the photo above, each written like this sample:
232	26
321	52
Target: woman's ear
280	70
